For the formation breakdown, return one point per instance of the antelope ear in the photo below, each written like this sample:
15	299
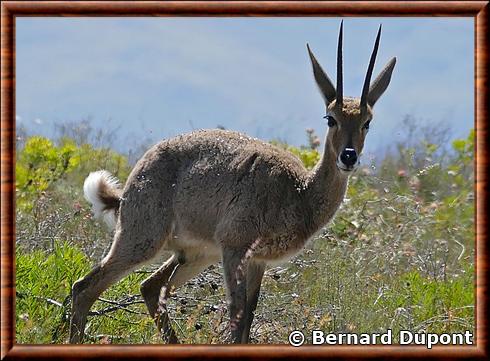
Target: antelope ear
322	80
379	85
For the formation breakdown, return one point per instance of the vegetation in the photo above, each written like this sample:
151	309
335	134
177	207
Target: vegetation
399	254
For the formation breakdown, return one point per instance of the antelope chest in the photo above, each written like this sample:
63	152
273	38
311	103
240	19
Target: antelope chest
278	248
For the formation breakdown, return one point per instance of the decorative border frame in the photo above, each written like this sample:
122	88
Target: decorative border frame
479	10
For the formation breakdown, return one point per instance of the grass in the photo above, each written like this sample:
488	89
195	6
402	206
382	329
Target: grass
320	290
366	273
398	255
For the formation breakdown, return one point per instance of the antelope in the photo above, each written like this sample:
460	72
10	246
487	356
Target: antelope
216	195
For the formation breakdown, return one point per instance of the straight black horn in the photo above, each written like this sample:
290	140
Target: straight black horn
367	81
340	85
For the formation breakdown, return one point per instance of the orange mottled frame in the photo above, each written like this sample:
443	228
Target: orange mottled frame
478	10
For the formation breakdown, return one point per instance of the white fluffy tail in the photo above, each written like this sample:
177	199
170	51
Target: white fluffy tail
102	190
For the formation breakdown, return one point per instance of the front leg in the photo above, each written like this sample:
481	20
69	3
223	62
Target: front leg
235	272
255	273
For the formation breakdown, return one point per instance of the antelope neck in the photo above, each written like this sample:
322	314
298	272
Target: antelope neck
325	189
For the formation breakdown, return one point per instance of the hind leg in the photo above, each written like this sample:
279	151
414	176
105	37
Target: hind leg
156	289
150	290
86	291
128	251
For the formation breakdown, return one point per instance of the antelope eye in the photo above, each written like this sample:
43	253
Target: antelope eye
331	122
366	125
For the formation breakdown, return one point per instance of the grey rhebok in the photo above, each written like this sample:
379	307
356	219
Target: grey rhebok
216	195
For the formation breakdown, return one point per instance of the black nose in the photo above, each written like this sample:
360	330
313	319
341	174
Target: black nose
348	157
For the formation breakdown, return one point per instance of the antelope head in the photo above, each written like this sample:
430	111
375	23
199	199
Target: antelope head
348	118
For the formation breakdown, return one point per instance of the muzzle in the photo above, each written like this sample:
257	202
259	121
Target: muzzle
348	160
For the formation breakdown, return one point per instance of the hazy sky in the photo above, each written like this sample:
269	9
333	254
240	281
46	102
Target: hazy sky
159	77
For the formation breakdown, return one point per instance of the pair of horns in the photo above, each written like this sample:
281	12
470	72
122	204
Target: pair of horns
370	92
